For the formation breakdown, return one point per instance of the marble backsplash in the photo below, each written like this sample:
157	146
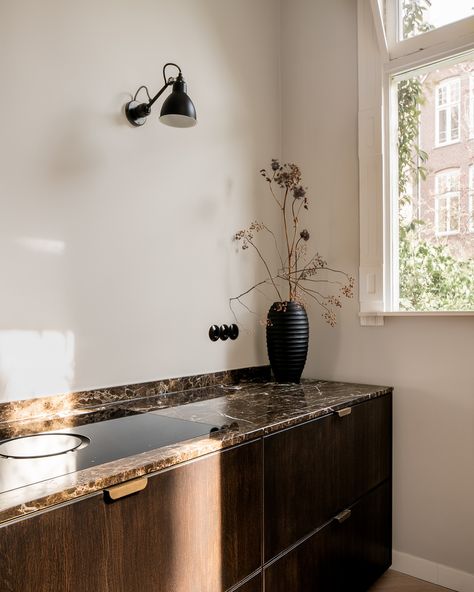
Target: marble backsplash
85	402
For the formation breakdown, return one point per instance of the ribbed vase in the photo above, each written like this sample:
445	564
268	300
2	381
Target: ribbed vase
287	340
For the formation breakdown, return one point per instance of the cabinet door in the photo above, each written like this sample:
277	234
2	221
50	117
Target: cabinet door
194	527
363	449
364	540
342	557
316	469
253	585
300	492
309	566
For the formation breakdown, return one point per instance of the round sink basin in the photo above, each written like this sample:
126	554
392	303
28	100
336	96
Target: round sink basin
42	445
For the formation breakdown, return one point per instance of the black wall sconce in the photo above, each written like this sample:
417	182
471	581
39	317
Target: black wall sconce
177	111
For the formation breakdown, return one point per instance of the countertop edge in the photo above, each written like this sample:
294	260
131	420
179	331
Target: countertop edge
63	491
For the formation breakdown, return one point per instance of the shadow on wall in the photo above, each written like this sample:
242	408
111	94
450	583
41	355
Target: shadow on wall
228	26
75	151
78	188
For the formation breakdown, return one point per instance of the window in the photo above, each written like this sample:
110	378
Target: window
447	197
419	16
471	106
431	242
448	98
416	118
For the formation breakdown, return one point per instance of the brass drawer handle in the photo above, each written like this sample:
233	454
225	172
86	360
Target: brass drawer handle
344	412
127	488
343	516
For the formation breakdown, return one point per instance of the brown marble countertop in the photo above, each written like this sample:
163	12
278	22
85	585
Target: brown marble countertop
249	410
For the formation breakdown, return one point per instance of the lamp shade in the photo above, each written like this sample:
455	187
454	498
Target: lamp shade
178	110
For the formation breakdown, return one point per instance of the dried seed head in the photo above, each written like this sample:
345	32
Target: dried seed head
304	234
299	192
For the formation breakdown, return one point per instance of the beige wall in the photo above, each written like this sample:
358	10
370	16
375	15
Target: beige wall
429	361
115	242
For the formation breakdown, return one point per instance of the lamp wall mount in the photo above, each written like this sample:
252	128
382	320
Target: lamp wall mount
178	110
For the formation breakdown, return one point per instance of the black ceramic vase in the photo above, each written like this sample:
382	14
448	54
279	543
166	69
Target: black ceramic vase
287	340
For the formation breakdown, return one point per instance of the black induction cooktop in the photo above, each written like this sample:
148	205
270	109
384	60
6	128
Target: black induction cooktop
35	458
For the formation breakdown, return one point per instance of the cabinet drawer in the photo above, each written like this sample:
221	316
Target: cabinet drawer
363	542
194	527
315	470
309	566
341	557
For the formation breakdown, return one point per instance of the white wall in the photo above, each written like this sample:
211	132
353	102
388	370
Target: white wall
115	242
428	361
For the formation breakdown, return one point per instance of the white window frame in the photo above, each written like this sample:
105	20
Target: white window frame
448	83
381	56
458	33
449	196
471	198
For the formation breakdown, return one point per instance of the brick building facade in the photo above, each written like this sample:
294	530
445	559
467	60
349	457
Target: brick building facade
445	200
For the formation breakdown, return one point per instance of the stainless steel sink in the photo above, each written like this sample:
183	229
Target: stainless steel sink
42	445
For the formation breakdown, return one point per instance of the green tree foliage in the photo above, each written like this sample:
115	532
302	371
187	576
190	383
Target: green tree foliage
414	17
430	277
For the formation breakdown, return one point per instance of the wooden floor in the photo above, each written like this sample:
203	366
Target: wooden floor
394	581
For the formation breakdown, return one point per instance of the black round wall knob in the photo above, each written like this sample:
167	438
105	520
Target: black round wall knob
224	332
233	331
214	333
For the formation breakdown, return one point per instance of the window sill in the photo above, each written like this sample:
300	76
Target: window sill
449	233
450	143
376	319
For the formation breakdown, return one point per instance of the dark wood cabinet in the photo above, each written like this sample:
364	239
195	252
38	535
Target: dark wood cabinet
315	470
253	585
309	566
363	449
362	543
63	549
340	557
195	527
307	508
300	486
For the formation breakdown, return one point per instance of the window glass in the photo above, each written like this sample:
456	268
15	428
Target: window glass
447	211
433	190
419	16
447	111
455	123
442	95
442	133
471	107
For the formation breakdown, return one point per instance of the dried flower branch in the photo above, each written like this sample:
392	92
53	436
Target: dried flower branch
290	195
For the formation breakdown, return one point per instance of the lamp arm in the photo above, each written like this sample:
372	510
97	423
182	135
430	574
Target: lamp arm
164	70
135	111
160	92
168	82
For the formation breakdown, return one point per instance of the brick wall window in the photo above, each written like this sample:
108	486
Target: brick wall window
447	197
448	99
